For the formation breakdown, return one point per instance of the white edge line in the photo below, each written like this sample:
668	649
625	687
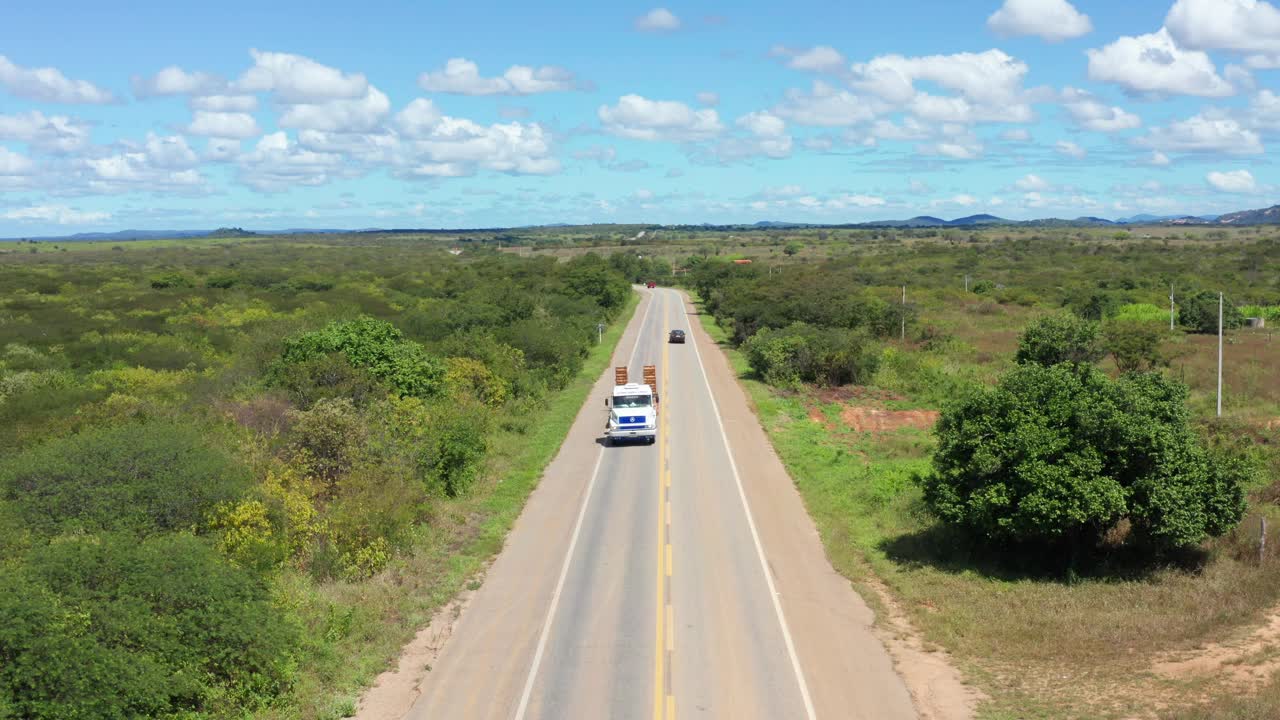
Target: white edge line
568	555
764	565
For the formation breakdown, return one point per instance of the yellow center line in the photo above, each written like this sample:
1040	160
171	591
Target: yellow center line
659	650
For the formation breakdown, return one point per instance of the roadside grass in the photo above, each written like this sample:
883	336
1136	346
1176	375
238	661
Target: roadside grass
354	631
1040	647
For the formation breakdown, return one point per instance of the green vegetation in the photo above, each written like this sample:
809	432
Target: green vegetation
237	476
1093	529
1056	457
1057	339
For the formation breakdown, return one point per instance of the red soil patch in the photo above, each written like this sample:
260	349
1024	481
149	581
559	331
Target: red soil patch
865	419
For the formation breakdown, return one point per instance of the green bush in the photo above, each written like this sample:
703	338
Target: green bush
372	345
1057	456
1060	338
1199	313
803	353
1135	345
136	477
168	280
456	445
328	437
107	627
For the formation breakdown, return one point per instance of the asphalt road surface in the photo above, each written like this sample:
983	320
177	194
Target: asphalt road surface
682	577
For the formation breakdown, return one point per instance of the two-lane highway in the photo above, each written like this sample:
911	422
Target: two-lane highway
638	583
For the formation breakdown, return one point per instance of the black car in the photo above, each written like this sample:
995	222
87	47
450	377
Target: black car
676	336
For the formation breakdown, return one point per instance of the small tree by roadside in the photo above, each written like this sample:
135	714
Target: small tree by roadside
1056	457
1059	338
1135	345
1199	313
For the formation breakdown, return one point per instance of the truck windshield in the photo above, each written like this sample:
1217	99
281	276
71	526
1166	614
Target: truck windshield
631	401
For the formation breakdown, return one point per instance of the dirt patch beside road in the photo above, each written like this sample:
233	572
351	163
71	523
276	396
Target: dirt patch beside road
866	419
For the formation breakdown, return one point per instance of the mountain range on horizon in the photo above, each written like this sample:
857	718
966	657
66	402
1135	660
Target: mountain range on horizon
1263	216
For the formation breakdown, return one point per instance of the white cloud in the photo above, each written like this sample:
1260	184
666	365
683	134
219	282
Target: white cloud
909	129
763	124
49	85
640	118
961	200
173	80
956	149
1236	25
59	214
1154	63
828	106
1070	149
221	150
1034	200
1158	159
418	117
457	146
658	20
708	99
163	163
988	86
1204	133
821	58
1016	135
1264	111
1052	20
360	115
768	137
462	76
1091	114
1031	182
297	79
12	163
55	134
1234	181
224	125
276	164
987	77
225	103
855	200
169	151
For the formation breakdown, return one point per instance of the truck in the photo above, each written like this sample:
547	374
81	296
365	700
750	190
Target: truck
633	408
651	284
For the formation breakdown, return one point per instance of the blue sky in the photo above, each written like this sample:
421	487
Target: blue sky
483	114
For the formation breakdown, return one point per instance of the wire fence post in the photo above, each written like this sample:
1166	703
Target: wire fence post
1219	354
904	313
1262	540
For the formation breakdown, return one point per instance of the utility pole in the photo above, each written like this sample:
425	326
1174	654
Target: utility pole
966	283
1219	354
904	312
1170	307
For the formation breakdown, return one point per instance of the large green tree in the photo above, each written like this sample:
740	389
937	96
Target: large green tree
1057	456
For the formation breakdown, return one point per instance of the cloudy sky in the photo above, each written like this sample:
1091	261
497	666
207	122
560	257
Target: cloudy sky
481	114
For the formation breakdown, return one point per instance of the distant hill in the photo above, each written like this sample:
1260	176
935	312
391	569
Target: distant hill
982	219
1266	216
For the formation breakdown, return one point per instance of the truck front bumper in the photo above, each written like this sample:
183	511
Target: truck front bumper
646	434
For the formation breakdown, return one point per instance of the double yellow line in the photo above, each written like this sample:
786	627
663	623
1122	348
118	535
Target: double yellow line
664	707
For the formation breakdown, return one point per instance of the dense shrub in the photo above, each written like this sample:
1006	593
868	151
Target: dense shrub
1135	345
372	345
168	280
328	438
1057	456
138	477
1199	313
803	353
1059	338
107	627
